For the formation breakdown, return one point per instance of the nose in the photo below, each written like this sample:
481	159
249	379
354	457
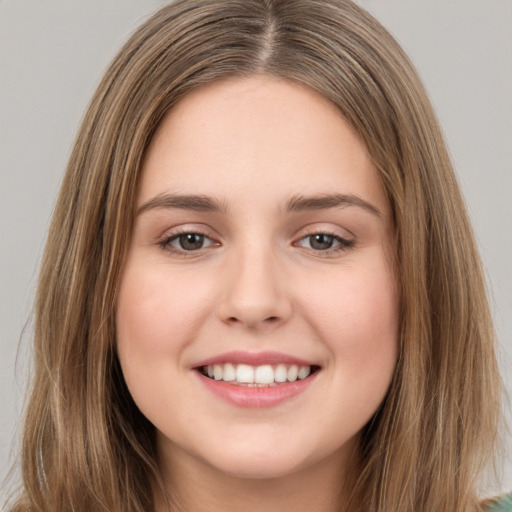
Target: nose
256	295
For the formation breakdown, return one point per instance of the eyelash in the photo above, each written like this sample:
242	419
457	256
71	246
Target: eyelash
165	244
343	243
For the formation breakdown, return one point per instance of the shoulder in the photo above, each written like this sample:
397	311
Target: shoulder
501	504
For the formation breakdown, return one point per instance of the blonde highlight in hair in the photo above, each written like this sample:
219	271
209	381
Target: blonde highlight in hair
86	445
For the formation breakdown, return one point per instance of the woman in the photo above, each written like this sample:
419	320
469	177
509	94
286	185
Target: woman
260	287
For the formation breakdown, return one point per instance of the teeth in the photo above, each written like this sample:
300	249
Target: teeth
217	372
229	372
264	375
280	373
304	371
257	376
245	373
293	373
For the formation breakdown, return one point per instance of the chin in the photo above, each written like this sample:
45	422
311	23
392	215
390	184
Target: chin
273	459
260	467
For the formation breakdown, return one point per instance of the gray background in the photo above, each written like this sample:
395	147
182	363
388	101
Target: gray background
53	53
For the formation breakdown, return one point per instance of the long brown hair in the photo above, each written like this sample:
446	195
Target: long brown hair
86	446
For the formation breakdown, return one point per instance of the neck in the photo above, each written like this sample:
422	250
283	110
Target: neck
192	485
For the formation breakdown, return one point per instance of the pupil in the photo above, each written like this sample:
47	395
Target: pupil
191	241
321	242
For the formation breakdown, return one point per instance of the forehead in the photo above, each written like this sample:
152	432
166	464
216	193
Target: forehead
262	135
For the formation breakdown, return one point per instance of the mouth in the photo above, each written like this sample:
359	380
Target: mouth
256	380
261	376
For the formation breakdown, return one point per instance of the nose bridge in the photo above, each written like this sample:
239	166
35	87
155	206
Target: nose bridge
255	293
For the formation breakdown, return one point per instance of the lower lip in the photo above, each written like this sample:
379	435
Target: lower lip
256	397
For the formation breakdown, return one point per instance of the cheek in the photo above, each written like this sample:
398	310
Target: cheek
157	312
157	317
358	320
363	330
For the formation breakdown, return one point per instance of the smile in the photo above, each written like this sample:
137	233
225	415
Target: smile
257	376
256	380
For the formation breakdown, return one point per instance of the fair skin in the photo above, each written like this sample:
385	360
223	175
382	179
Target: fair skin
284	260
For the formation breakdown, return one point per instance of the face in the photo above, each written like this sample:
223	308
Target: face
257	317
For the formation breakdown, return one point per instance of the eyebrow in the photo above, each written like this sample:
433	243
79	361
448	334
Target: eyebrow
200	203
297	203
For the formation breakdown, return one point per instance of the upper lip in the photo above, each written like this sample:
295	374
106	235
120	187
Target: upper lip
253	359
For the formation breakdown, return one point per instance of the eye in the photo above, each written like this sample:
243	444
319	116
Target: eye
325	242
186	242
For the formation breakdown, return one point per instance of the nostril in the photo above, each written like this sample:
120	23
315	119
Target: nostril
269	319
